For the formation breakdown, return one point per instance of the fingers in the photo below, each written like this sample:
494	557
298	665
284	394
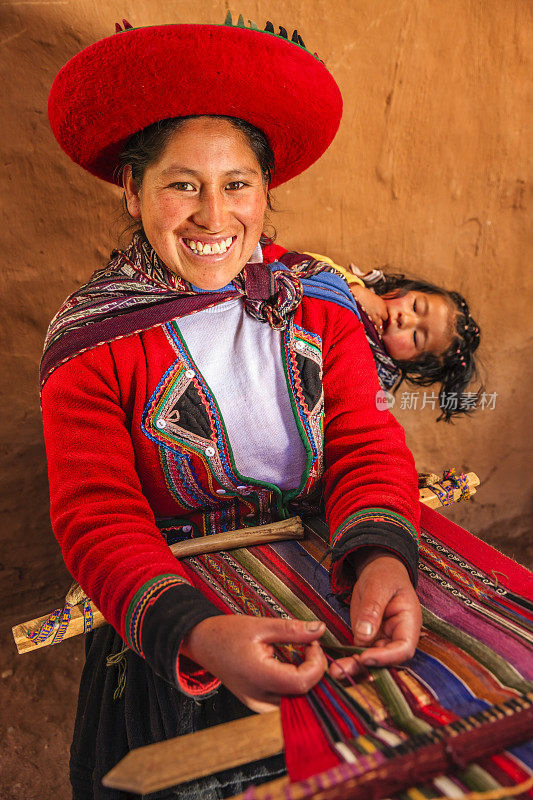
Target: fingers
289	679
404	632
367	614
291	630
348	666
385	604
282	678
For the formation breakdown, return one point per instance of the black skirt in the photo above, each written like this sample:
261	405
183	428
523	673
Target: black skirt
148	709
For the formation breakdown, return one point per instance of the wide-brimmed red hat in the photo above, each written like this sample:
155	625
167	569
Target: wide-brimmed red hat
121	84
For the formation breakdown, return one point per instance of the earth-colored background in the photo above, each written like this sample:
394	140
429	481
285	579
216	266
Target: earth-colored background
428	173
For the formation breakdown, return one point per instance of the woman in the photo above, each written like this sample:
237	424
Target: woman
184	390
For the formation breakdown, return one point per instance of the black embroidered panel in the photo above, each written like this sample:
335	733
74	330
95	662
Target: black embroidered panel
190	413
310	376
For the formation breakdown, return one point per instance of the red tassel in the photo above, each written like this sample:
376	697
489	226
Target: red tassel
303	735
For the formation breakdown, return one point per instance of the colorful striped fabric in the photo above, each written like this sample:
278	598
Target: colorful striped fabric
474	655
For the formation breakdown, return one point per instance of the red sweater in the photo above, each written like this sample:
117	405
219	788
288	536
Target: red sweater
132	434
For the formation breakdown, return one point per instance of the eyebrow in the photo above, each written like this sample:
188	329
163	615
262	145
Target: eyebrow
237	172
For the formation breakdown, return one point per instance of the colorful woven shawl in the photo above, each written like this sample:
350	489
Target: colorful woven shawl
388	372
136	291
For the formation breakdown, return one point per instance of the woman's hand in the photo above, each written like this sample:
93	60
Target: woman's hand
385	615
372	304
239	651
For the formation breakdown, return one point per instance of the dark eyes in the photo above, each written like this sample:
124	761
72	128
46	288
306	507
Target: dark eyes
414	338
185	186
414	305
182	186
235	185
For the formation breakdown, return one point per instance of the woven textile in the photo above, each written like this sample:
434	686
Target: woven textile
474	653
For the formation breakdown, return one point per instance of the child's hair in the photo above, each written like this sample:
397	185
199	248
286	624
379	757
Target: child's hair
455	368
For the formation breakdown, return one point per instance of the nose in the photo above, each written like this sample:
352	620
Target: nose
405	319
211	211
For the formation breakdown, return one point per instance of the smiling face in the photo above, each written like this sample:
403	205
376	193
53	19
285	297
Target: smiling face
202	203
418	323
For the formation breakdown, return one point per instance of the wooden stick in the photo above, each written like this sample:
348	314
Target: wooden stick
429	498
243	537
195	755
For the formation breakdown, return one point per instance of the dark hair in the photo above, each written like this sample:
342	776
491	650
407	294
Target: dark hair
145	146
455	368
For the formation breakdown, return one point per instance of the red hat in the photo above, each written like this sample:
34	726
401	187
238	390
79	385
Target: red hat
121	84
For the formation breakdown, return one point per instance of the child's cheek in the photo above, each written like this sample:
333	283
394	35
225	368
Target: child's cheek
399	347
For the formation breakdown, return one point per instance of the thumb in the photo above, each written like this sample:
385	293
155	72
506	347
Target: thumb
367	616
293	630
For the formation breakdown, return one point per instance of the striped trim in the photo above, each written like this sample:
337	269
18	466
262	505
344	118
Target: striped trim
142	600
374	515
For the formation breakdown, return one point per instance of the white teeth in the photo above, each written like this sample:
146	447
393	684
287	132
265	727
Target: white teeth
207	249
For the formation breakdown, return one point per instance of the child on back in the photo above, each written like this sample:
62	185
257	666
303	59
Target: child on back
419	332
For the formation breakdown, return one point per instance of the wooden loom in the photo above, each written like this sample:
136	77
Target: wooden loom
189	757
507	720
71	619
500	706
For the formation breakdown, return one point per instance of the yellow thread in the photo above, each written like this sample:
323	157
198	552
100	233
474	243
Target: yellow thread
366	744
415	794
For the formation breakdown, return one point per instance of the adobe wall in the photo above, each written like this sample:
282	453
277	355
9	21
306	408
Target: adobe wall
428	173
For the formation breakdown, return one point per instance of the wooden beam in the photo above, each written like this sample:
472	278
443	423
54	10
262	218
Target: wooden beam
243	537
429	497
195	755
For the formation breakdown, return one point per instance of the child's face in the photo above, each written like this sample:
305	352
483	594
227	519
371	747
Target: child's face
418	323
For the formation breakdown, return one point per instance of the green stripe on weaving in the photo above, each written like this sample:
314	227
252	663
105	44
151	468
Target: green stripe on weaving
478	780
281	592
474	777
500	668
397	705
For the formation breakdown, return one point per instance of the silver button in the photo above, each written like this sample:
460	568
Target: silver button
161	423
209	451
189	373
221	491
241	488
187	528
299	345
